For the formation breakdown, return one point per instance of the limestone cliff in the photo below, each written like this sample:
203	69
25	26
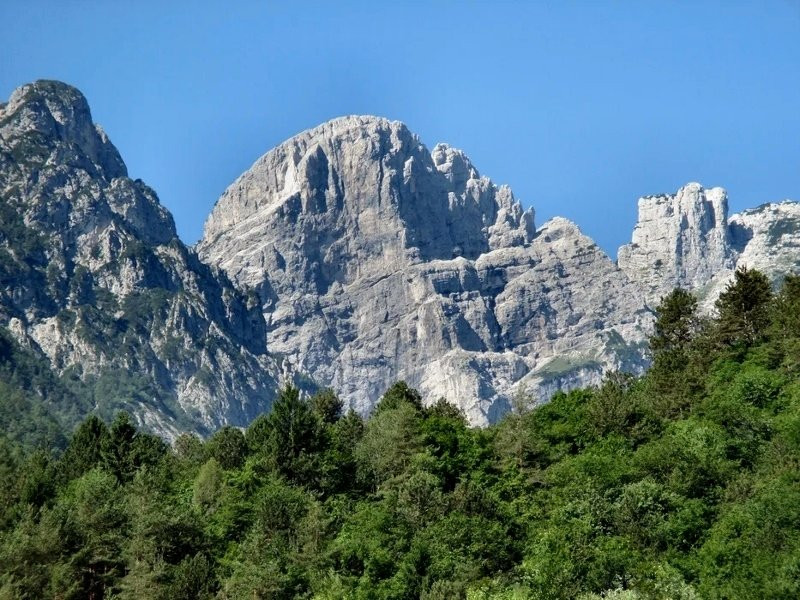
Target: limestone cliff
95	278
378	260
688	240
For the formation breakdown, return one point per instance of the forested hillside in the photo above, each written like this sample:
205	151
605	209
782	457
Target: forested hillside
681	484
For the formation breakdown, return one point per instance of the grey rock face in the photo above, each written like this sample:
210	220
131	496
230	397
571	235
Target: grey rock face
94	277
377	260
350	254
687	240
768	238
680	240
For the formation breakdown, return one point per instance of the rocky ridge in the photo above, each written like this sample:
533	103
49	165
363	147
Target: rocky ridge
95	278
689	240
350	255
378	260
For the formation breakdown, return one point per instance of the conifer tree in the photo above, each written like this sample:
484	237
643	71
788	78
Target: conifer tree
294	431
84	450
744	308
117	448
676	322
228	447
327	405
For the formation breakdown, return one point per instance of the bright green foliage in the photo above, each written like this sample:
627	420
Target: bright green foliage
207	488
392	439
683	484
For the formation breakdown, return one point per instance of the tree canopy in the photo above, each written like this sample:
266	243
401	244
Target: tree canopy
681	484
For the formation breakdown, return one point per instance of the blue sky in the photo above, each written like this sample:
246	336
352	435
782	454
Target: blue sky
580	107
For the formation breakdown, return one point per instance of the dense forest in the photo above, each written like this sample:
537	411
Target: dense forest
680	484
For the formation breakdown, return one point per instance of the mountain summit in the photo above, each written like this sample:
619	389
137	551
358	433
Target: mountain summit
95	279
376	260
689	240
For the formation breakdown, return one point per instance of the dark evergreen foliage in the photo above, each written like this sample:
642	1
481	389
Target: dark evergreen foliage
744	308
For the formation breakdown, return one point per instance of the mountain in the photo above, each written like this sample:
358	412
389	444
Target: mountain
376	260
95	279
349	256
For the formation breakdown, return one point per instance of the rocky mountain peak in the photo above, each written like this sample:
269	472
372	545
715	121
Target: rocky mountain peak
53	112
94	278
73	174
688	240
358	174
378	260
680	240
766	238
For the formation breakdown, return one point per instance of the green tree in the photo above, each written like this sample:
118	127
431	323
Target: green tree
785	328
676	322
228	447
391	439
193	579
94	504
124	450
338	465
34	557
294	433
9	490
207	488
398	394
84	451
37	481
678	333
744	308
327	406
190	449
117	449
446	410
612	407
259	434
161	533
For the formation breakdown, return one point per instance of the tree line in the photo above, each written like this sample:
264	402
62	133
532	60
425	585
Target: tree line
680	484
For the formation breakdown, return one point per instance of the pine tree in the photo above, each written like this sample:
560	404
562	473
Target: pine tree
84	451
117	448
744	308
676	322
294	432
676	331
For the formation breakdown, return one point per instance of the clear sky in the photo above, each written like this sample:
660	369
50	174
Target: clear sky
581	107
